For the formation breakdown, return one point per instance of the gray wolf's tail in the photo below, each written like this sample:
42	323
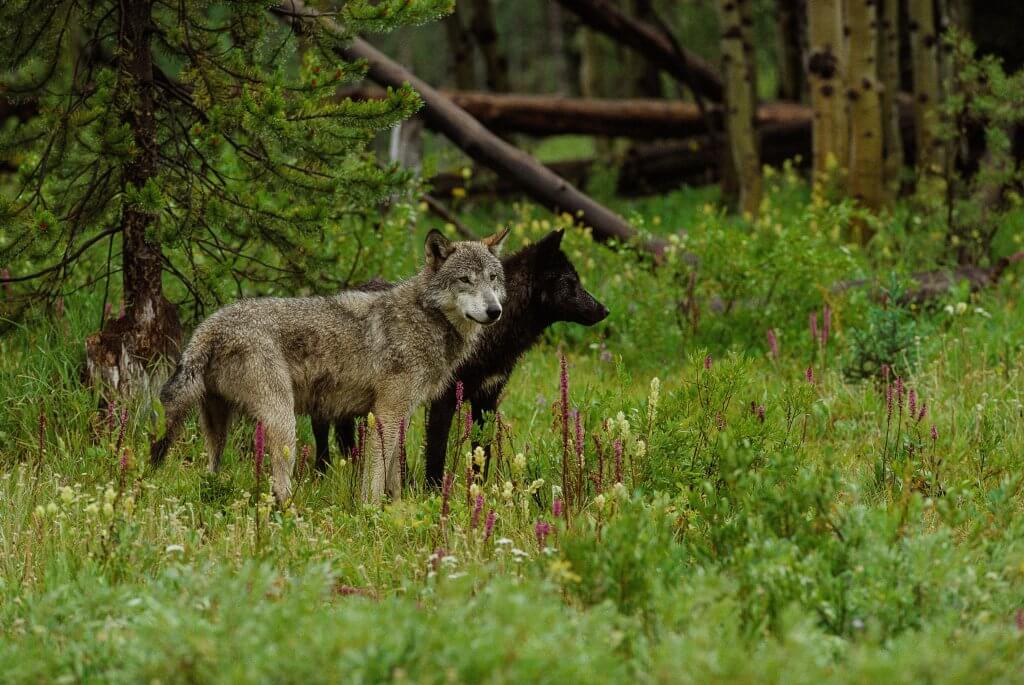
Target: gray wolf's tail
182	391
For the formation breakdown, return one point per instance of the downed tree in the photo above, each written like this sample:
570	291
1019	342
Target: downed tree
442	115
649	41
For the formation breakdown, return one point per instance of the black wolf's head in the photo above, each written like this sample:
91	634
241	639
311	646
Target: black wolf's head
558	287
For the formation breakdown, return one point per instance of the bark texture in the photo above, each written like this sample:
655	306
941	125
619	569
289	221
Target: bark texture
790	41
460	47
889	74
924	48
827	72
486	35
740	101
866	168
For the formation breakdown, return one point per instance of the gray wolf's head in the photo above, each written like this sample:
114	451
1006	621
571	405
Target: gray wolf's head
466	280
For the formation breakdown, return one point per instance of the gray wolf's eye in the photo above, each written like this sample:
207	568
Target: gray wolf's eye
465	279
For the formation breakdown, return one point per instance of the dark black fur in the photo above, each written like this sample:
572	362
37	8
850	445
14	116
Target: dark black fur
543	288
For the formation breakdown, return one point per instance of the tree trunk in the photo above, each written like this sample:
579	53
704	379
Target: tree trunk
486	35
866	169
687	68
124	351
789	46
827	70
644	77
740	102
460	47
889	74
924	48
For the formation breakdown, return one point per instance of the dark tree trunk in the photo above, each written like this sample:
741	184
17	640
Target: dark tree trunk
645	77
124	351
486	35
460	47
791	41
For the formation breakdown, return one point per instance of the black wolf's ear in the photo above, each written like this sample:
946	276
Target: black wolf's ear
552	241
496	242
438	248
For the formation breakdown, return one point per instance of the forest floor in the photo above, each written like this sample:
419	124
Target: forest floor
781	511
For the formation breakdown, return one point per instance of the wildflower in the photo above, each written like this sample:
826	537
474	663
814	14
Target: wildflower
961	307
606	355
773	344
519	463
810	375
503	541
888	401
67	494
556	508
108	509
620	490
912	402
924	412
885	373
469	425
541	530
935	434
446	492
489	524
813	318
535	486
304	457
460	391
478	506
623	424
652	400
506	491
579	436
641	449
707	362
478	457
900	391
123	428
599	502
760	413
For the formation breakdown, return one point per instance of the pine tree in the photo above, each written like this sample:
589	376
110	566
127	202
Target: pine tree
202	141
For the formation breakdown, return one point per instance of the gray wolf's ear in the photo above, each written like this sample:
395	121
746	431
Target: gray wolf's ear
438	248
496	242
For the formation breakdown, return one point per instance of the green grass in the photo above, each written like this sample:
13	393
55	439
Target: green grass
827	542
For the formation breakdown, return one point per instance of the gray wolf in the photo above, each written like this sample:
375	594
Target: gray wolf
384	352
543	288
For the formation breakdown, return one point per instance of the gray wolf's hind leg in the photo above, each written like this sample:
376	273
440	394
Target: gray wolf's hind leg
215	420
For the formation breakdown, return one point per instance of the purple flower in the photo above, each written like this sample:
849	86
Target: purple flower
810	375
579	436
912	402
123	463
478	506
468	428
541	529
813	320
707	362
773	343
760	413
900	393
258	439
885	373
305	457
446	493
489	524
935	434
888	401
460	391
924	412
1018	618
556	508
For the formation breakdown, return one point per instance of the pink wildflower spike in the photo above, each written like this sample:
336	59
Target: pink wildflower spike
446	493
912	402
813	324
1018	618
924	412
489	524
468	427
123	463
900	392
258	444
810	375
563	390
888	401
773	343
760	413
541	530
579	436
556	508
886	371
826	324
935	434
708	361
305	457
111	416
478	506
460	390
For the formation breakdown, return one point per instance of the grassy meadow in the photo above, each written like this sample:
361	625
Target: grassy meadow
771	479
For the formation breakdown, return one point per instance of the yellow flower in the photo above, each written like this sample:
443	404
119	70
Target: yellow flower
458	192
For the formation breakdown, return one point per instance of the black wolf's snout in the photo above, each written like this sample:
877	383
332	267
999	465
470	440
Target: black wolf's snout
493	313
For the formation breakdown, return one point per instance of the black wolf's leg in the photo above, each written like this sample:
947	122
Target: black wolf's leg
345	435
485	402
321	431
439	421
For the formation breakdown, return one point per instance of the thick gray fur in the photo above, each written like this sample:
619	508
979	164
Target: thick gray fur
353	353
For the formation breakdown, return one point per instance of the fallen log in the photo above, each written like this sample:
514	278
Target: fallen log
649	41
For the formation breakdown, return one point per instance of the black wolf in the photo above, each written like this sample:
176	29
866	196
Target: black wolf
542	288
